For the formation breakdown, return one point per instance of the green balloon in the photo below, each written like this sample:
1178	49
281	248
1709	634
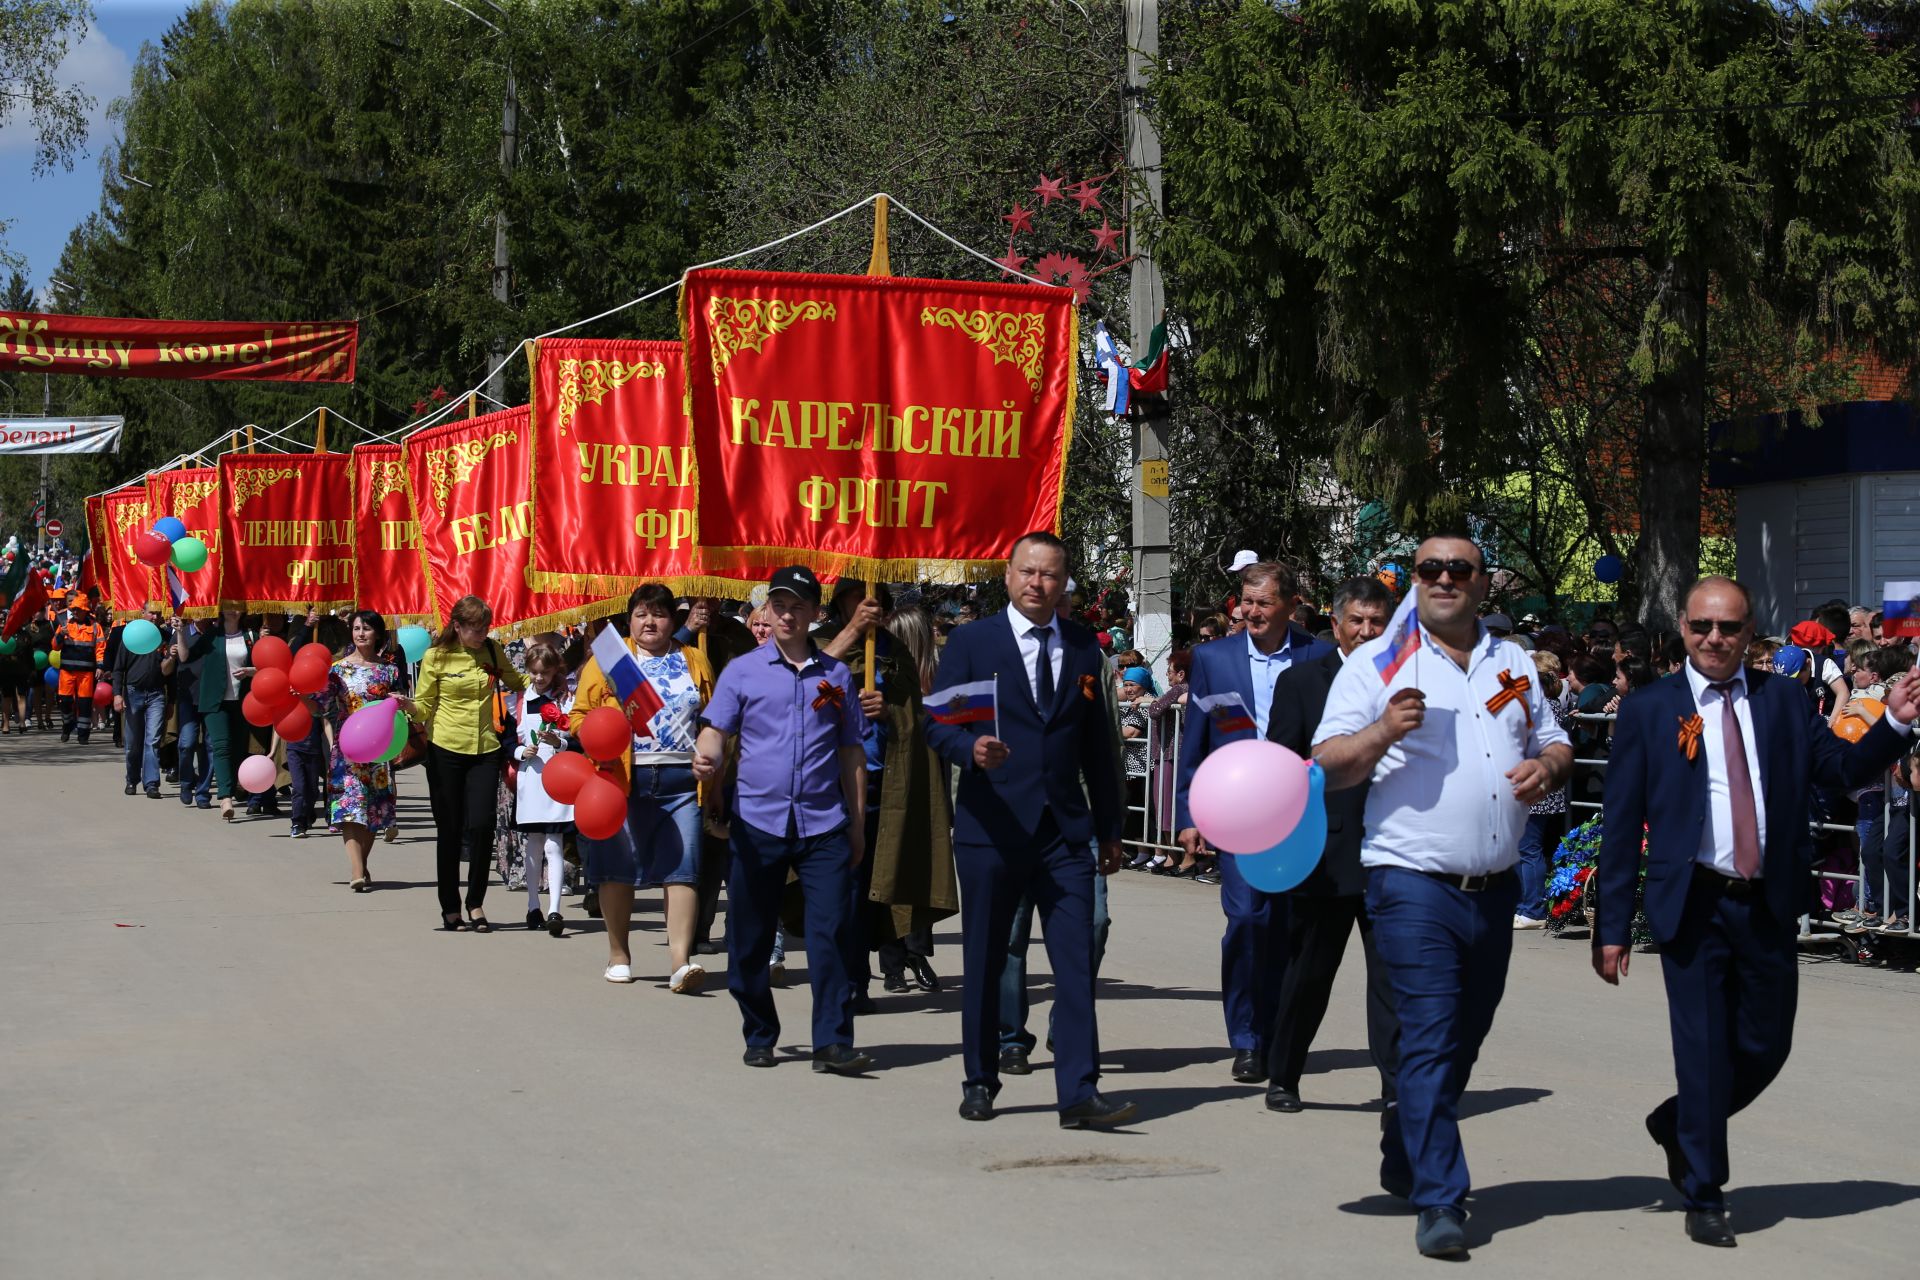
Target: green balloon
399	742
7	647
189	554
39	659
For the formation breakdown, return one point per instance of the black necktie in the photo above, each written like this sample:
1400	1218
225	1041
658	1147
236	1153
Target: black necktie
1043	697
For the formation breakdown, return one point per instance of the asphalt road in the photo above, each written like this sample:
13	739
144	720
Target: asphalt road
216	1061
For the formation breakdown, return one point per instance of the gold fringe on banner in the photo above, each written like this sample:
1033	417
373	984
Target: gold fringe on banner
285	606
562	618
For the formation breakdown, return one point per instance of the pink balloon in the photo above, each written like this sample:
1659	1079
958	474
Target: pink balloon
368	732
257	774
1248	796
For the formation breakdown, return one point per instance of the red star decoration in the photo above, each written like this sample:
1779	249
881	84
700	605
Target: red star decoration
437	394
1021	218
1012	261
1049	190
419	408
1106	237
1086	195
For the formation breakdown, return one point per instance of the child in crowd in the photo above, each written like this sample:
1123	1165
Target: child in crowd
542	821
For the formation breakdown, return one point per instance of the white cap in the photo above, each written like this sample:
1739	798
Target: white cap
1241	559
1072	586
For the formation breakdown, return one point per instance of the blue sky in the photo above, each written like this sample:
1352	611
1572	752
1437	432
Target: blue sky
42	211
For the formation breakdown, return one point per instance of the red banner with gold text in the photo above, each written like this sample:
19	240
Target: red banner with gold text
202	350
131	586
286	531
613	493
468	485
192	496
97	581
886	427
388	575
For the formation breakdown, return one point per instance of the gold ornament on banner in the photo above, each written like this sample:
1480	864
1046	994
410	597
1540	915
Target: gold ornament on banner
385	478
456	463
745	324
593	380
1014	337
250	482
128	514
188	494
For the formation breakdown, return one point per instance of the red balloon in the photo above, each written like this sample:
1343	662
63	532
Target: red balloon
295	722
272	651
307	675
600	810
314	651
102	694
605	735
270	686
151	550
258	713
565	774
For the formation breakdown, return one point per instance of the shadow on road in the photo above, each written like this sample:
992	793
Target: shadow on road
1518	1204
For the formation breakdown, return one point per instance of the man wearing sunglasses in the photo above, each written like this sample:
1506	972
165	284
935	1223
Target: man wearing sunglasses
1446	721
1716	764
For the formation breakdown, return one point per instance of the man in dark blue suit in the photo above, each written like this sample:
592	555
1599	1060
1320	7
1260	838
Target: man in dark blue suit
1717	763
1035	793
1229	696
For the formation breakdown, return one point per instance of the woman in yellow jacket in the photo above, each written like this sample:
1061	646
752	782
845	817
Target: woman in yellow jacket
455	696
660	843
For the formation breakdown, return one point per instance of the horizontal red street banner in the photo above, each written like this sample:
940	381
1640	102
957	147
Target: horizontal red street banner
201	350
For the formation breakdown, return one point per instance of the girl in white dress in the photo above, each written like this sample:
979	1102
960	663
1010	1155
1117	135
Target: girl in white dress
542	821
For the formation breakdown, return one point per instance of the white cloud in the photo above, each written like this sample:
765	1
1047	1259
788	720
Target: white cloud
94	65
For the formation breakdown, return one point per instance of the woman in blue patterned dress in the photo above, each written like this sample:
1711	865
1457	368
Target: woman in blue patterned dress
362	794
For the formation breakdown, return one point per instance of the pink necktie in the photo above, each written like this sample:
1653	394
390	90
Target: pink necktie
1746	823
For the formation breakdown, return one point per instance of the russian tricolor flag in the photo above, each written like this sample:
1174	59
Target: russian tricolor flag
638	698
1900	610
975	703
1403	638
176	589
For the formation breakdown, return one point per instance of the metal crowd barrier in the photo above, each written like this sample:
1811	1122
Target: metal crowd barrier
1153	816
1812	927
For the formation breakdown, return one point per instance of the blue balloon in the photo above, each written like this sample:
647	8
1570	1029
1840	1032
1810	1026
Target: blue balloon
1285	865
170	528
414	642
1608	569
53	677
140	636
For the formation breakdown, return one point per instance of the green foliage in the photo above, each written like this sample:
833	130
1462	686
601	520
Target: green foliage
34	35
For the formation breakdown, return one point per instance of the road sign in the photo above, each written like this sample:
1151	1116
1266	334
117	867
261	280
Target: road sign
53	528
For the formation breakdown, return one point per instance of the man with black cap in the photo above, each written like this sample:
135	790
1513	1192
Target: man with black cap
800	807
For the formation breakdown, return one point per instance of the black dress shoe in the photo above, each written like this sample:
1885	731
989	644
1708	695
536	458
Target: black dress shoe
841	1059
895	983
535	920
923	975
1281	1098
1440	1233
1669	1143
1097	1112
977	1104
758	1055
1710	1226
1249	1066
131	788
701	948
556	924
1013	1062
153	792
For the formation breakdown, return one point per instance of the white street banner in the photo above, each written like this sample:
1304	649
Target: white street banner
60	435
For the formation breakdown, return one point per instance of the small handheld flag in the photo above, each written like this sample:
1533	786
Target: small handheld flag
1403	638
639	700
1900	609
975	703
1228	712
176	589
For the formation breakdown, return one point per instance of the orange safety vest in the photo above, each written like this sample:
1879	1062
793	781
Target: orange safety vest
83	645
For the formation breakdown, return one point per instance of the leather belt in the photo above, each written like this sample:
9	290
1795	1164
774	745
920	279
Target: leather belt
1471	884
1731	886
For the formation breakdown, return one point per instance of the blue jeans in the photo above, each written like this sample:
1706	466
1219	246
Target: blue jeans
196	768
1013	982
1534	854
146	721
1871	828
1446	952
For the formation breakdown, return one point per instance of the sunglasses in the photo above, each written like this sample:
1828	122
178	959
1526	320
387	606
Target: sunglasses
1456	570
1707	626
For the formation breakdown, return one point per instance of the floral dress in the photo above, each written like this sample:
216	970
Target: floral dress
362	793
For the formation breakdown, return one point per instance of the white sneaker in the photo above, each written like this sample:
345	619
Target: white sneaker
687	979
1528	922
619	973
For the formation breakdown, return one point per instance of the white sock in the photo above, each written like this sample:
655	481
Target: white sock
556	871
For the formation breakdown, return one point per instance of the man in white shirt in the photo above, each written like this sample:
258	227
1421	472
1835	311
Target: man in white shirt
1445	721
1712	768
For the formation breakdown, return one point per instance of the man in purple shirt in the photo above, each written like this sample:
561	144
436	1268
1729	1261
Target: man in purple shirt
800	806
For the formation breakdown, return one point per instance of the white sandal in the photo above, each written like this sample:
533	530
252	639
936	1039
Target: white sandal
619	973
687	979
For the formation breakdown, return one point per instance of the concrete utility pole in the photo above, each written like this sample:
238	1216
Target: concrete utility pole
1152	561
509	147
